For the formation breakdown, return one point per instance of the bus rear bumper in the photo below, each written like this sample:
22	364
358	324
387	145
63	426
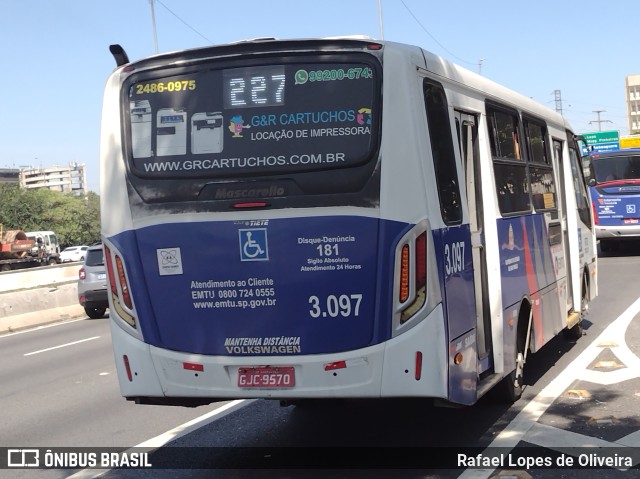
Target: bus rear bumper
617	232
391	369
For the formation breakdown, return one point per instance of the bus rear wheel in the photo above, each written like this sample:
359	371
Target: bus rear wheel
577	331
609	245
512	385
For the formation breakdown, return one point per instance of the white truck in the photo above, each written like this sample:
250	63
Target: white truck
46	246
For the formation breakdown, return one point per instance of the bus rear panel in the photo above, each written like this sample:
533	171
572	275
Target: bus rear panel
257	263
615	192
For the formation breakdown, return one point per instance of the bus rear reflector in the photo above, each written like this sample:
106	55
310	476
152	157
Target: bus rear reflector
125	360
421	260
335	365
418	365
193	366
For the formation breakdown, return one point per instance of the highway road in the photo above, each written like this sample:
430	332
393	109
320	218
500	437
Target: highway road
59	389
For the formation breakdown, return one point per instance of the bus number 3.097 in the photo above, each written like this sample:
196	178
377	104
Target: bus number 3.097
454	257
333	306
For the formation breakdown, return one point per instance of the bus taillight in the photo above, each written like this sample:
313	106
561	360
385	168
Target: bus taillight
112	281
404	274
124	287
595	213
418	277
126	298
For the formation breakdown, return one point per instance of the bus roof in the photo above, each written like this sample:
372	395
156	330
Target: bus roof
615	153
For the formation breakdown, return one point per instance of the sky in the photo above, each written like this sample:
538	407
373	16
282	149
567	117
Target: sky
56	56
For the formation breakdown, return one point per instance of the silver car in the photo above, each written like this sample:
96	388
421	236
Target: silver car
92	283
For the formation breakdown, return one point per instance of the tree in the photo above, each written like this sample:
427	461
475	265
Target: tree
75	219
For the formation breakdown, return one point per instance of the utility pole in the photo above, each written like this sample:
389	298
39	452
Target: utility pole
380	18
558	95
599	121
480	65
153	21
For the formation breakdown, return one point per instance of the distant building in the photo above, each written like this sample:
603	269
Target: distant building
9	175
632	91
67	179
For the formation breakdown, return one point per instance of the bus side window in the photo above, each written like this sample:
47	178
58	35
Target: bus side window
587	168
443	153
541	179
512	185
582	195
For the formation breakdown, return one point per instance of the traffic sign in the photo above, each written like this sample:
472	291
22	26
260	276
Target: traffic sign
600	137
599	141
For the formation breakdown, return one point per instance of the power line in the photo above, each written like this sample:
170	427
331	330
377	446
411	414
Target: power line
434	38
181	20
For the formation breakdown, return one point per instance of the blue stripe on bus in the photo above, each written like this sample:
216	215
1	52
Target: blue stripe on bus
616	205
282	286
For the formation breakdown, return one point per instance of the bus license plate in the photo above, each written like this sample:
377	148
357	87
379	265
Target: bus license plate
266	377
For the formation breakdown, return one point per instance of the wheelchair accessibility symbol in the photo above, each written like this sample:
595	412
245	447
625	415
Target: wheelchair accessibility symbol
253	245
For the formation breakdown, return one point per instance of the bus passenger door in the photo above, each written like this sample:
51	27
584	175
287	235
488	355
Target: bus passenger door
467	125
567	290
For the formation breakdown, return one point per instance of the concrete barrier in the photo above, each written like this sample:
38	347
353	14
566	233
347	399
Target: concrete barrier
38	299
38	296
42	276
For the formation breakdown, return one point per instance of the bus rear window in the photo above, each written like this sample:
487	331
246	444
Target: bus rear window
238	121
618	167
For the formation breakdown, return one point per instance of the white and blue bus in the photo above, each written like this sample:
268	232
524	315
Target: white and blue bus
362	219
614	183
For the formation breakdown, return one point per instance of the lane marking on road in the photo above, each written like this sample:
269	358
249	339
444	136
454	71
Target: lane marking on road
173	434
194	424
38	328
62	346
528	417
